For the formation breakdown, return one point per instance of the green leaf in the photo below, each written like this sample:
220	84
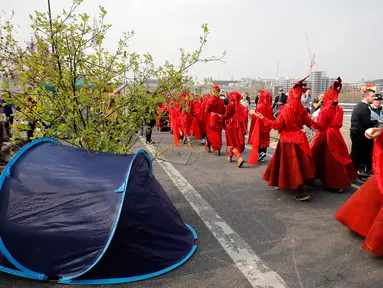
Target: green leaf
70	87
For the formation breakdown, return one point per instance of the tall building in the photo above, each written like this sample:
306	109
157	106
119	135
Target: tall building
287	83
317	82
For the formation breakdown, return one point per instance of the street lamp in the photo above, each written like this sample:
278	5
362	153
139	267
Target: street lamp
50	25
124	71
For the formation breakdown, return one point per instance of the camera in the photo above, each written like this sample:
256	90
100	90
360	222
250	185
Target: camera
378	97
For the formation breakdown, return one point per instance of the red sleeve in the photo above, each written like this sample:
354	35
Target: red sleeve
307	120
276	124
323	120
230	111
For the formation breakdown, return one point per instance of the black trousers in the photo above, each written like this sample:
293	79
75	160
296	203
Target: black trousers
361	150
262	149
149	130
32	127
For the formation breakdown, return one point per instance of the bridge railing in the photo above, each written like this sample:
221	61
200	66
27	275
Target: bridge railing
347	108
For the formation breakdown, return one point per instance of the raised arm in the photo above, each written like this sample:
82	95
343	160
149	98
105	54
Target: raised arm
276	124
119	89
308	121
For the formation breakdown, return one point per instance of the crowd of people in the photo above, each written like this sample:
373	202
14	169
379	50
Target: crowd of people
296	163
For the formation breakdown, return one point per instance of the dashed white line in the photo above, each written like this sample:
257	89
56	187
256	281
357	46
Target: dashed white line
248	262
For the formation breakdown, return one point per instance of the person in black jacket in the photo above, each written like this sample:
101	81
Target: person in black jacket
361	147
150	123
280	99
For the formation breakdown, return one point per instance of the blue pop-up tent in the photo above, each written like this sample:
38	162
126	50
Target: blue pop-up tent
85	217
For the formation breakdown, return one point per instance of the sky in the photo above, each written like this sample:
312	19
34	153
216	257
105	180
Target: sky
343	35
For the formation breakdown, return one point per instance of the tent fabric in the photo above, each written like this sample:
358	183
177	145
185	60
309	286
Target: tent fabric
80	83
87	217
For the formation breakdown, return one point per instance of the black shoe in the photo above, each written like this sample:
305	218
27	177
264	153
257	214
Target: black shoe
150	142
332	190
261	156
364	174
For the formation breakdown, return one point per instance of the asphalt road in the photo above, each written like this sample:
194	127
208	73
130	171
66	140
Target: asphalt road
301	242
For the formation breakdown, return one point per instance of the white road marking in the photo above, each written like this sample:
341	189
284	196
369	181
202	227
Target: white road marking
271	155
248	262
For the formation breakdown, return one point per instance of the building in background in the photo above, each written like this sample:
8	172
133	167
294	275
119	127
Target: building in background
11	86
329	82
317	82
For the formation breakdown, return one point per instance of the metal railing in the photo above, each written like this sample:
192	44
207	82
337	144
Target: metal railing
347	108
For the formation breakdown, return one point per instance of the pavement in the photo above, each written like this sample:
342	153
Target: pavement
261	237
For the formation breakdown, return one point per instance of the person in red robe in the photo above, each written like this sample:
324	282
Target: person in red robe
333	164
291	165
195	108
235	127
215	105
184	117
203	118
174	111
161	115
363	212
259	135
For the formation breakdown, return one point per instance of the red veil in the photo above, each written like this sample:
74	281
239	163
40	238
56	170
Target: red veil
378	162
264	107
335	141
237	124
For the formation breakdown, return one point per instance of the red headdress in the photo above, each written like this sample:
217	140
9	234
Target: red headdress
295	94
265	97
235	96
332	93
216	88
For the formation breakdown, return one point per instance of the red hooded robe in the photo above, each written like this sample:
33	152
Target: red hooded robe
215	123
162	109
259	132
235	123
195	108
363	212
332	160
174	113
185	117
203	115
291	164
